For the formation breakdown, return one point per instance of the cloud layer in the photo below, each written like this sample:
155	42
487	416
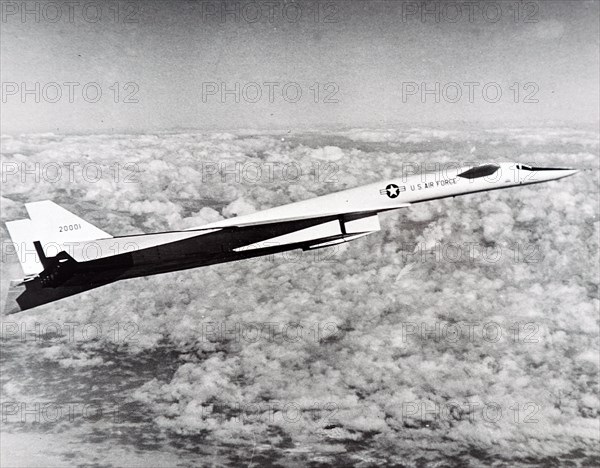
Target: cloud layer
466	329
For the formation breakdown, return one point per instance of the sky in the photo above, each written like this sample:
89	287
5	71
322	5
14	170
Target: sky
168	65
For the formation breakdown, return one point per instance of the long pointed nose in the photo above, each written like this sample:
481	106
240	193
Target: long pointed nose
569	172
531	174
556	173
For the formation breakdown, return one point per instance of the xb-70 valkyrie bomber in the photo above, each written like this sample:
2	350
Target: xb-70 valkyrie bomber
62	255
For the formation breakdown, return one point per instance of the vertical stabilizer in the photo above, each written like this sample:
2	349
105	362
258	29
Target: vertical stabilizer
49	224
55	224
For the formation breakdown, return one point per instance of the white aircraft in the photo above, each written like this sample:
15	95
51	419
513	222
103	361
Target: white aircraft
62	255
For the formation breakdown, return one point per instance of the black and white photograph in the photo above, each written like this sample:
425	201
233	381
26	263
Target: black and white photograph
299	233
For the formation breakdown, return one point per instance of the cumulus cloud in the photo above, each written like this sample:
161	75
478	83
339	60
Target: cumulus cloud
328	153
238	207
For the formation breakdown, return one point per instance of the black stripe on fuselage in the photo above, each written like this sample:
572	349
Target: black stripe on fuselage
202	250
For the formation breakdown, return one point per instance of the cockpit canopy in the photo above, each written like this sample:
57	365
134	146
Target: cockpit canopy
479	171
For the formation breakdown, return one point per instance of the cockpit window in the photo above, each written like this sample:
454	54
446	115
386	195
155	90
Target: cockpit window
479	171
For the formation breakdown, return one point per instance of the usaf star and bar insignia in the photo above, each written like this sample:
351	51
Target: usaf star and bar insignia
392	190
